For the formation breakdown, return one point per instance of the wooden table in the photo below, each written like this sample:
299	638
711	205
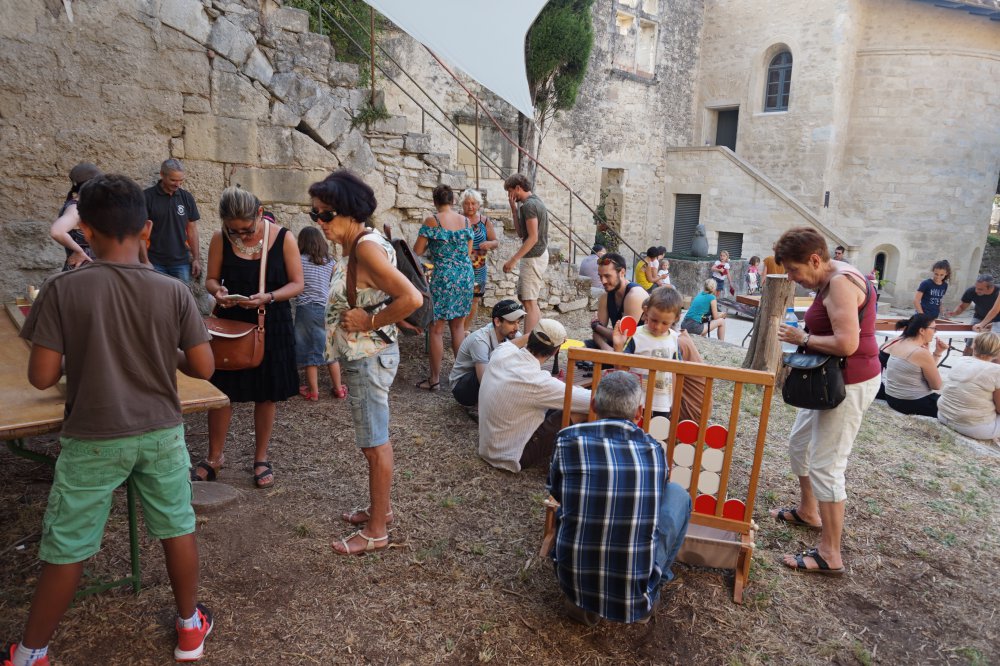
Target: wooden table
27	412
947	330
801	303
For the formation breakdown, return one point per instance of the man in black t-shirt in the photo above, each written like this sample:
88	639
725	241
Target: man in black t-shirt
983	295
173	243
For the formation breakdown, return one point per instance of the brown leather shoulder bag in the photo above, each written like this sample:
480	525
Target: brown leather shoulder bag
239	345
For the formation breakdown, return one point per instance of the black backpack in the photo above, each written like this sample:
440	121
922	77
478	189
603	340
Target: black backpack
407	264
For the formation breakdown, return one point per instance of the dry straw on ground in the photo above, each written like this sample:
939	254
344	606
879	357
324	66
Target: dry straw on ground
462	585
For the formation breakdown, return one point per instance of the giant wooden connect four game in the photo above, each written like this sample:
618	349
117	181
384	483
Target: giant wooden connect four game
719	471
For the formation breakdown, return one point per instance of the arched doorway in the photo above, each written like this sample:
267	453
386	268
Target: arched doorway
886	264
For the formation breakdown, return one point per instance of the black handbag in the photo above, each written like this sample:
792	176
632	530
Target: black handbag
816	381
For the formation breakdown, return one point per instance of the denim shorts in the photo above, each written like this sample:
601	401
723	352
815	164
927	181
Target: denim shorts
310	334
368	381
87	473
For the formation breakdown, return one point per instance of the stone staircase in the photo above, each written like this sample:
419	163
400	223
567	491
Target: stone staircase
280	115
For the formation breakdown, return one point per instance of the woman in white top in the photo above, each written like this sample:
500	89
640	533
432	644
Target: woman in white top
970	399
911	374
363	337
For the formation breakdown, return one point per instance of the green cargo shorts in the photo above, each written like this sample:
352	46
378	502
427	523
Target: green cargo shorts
88	471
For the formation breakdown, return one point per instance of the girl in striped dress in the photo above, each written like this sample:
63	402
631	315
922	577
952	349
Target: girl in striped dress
310	315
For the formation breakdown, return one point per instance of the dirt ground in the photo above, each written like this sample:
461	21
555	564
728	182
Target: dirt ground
462	583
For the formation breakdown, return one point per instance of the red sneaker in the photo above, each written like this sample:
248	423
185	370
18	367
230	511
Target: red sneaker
8	657
191	642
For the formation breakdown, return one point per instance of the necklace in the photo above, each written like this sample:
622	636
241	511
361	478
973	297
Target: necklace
248	250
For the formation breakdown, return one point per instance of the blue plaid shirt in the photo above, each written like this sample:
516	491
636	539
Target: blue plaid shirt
609	478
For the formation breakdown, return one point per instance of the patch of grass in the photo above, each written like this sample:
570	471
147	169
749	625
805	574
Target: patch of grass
933	485
862	654
406	474
302	531
873	507
449	645
451	502
972	655
368	115
433	552
486	655
943	506
485	626
477	549
943	538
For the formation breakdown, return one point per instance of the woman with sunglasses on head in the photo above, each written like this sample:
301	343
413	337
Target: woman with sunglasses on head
234	259
363	336
911	372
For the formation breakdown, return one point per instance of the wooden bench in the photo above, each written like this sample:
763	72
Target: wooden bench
700	455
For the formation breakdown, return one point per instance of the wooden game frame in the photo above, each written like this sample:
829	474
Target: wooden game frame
743	527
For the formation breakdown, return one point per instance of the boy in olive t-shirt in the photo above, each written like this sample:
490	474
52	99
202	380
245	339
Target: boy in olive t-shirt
122	331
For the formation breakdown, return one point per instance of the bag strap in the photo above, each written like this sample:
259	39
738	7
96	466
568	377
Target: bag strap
262	311
352	270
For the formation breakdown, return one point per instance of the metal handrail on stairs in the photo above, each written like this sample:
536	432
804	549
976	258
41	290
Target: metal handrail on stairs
574	239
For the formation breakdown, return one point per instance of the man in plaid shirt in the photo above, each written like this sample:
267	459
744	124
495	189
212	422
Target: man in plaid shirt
621	522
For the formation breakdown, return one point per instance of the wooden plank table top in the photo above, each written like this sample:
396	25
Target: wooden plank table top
802	302
25	411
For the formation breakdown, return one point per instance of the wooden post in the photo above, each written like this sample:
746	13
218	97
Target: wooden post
764	352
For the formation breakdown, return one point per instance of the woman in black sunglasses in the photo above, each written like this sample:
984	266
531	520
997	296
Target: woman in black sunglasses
232	276
362	334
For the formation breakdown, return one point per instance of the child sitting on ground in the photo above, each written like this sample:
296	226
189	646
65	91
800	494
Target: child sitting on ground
132	329
658	339
310	314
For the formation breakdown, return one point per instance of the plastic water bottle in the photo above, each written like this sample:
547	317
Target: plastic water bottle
790	320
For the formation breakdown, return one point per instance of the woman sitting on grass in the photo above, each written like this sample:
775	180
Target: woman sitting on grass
703	316
970	399
911	374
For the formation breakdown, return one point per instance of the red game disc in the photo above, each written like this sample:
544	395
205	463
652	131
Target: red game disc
687	432
705	504
734	509
628	326
715	436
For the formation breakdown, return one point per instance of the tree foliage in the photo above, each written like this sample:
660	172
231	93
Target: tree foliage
352	43
557	51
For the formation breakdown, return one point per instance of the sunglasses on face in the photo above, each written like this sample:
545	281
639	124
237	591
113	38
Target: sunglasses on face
326	216
242	232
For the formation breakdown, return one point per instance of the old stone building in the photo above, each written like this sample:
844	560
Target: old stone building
873	120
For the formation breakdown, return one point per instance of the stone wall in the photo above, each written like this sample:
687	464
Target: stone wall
735	197
241	92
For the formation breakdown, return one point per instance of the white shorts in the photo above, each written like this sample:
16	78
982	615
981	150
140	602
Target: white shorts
821	440
532	276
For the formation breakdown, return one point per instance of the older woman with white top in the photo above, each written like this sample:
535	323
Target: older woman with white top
970	399
911	374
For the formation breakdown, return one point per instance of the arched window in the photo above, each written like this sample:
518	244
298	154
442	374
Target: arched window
779	82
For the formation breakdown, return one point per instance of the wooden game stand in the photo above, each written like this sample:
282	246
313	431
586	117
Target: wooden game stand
721	533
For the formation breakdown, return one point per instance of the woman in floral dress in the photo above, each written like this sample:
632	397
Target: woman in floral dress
446	238
484	239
